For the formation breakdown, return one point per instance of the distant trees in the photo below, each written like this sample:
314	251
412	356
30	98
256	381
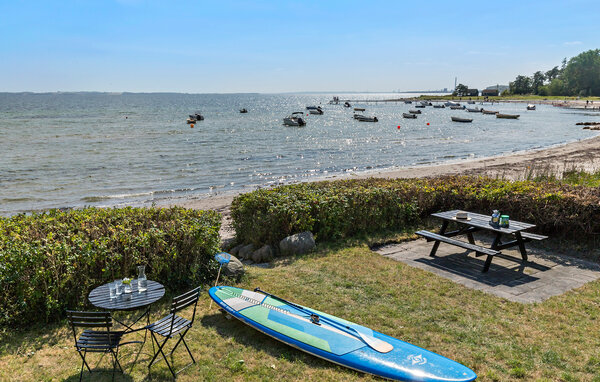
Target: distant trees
461	90
579	76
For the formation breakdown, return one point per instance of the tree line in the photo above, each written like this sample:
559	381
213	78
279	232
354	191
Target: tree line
579	76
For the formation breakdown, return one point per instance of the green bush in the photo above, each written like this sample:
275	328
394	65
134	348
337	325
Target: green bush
335	209
51	261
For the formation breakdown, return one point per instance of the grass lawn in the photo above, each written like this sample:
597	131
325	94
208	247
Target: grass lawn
500	340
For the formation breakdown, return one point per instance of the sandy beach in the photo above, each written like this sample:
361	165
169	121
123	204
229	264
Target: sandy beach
580	155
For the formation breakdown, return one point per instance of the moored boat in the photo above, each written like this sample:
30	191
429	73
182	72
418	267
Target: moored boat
347	104
190	120
295	119
314	110
489	111
362	118
440	106
530	107
414	111
459	119
420	106
457	107
408	102
507	116
409	115
243	111
474	110
197	117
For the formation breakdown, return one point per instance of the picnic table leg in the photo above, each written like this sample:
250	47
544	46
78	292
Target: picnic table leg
497	241
521	243
437	243
470	237
487	264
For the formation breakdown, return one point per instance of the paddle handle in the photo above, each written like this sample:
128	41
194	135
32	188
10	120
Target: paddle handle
216	282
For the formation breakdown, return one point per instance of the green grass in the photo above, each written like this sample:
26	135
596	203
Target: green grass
520	97
500	340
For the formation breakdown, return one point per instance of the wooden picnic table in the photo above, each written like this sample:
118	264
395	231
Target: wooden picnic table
477	222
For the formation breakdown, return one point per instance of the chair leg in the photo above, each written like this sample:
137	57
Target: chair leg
160	350
188	349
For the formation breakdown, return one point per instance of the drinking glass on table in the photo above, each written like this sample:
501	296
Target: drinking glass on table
113	290
118	287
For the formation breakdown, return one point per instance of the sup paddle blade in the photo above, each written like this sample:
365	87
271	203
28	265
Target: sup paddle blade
223	257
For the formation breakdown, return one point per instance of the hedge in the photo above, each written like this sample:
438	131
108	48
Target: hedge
334	209
50	261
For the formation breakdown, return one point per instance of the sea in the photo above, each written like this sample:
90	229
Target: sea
69	150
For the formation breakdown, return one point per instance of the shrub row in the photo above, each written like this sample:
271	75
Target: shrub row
333	209
50	261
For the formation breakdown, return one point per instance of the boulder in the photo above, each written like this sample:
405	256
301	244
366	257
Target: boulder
234	268
234	251
246	251
263	255
297	244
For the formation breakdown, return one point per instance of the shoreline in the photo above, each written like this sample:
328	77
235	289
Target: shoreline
579	155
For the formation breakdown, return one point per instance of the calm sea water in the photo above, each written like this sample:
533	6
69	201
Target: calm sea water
70	150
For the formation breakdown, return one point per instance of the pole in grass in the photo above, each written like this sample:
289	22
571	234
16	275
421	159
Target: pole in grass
223	258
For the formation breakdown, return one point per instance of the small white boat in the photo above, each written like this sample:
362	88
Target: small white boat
295	119
451	103
474	110
530	107
197	117
314	110
457	107
459	119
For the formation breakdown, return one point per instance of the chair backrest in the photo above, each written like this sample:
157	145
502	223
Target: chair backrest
79	319
183	301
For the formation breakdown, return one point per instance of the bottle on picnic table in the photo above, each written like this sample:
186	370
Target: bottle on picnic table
495	220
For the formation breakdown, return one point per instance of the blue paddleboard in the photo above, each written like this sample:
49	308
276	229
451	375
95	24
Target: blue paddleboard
336	339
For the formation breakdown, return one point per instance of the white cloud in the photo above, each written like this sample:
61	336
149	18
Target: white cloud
572	43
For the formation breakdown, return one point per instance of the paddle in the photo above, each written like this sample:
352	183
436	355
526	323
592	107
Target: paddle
374	343
222	258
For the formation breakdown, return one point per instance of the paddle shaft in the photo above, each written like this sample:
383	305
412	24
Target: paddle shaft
331	322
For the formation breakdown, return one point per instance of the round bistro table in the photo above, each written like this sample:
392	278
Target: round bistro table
100	298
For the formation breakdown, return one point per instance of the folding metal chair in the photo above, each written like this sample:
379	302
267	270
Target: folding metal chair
95	341
172	325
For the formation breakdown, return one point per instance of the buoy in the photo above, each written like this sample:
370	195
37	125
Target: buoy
398	127
427	123
192	126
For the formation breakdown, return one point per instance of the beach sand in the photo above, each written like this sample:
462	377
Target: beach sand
580	155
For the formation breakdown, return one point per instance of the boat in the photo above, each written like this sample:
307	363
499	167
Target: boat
457	107
359	109
474	110
335	339
530	107
362	118
197	117
414	111
458	119
347	104
507	116
408	102
409	115
420	106
425	103
440	106
295	119
471	102
243	111
190	120
314	110
488	111
451	103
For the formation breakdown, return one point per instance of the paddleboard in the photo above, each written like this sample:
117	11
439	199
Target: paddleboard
337	340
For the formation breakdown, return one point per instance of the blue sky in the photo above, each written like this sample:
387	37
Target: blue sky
284	46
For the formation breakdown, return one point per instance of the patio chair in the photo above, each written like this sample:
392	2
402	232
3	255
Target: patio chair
95	341
173	325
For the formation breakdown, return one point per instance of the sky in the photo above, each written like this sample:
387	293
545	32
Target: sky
284	46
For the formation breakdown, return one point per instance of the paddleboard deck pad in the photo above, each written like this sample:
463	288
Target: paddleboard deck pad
337	340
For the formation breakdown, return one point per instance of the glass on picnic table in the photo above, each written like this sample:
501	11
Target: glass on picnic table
118	287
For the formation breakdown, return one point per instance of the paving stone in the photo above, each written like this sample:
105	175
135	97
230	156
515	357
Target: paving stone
543	276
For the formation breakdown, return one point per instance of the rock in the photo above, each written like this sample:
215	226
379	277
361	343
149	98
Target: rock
245	251
263	255
297	244
234	268
234	251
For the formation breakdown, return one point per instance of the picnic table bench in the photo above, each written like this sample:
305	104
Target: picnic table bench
477	222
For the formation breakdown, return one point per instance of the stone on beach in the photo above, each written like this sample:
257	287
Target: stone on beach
246	251
297	244
263	255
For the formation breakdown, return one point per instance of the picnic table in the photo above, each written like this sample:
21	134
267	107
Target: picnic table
477	222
